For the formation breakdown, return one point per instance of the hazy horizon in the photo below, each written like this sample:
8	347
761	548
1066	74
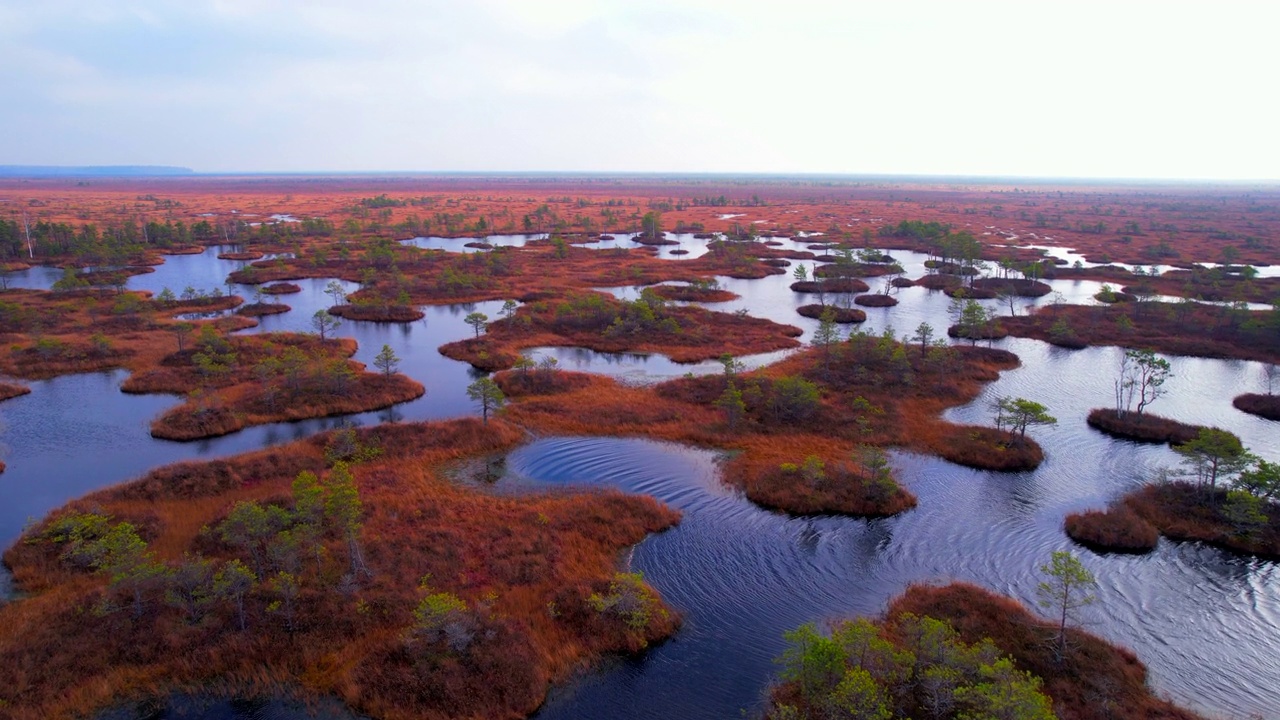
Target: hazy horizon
1067	91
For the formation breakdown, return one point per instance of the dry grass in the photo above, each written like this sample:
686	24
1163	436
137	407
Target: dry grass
1175	328
685	334
513	559
1267	406
1144	428
1116	529
1183	511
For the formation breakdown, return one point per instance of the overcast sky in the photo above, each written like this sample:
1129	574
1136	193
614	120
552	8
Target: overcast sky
1030	88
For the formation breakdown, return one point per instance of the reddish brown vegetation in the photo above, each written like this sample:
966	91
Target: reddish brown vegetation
1012	286
601	323
876	300
245	255
831	285
869	391
1094	681
1122	223
51	334
837	314
991	449
237	382
260	309
1116	529
12	390
1174	328
1143	427
1184	511
378	313
281	289
693	293
524	565
1267	406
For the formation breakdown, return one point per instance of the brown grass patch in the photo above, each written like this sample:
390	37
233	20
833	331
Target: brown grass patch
1267	406
1116	529
525	566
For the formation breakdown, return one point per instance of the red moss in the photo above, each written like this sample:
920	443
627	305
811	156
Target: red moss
876	300
841	491
378	313
1143	428
1116	529
1175	328
244	255
1267	406
198	420
830	285
990	449
525	567
260	309
281	289
841	315
1183	511
599	322
691	293
1013	286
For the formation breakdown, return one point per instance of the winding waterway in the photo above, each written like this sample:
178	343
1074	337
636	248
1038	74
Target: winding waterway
1207	623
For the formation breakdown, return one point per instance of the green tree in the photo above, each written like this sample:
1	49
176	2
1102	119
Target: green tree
1244	511
444	616
324	323
190	587
386	361
232	583
1214	455
1018	413
1142	378
478	322
344	509
793	399
1067	587
183	331
487	393
858	697
335	290
826	337
1262	480
250	528
731	402
651	225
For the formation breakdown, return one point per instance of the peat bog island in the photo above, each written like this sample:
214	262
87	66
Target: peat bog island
697	443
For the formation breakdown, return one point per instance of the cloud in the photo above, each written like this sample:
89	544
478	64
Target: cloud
1115	89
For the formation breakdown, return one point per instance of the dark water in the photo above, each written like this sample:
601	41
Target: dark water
1205	622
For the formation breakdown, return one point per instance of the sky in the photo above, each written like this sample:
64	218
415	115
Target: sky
1035	88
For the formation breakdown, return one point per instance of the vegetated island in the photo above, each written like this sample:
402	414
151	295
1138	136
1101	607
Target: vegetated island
235	382
1266	406
960	651
1229	501
602	323
808	431
341	565
1183	328
230	382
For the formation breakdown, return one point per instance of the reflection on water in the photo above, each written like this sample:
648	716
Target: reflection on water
1206	623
